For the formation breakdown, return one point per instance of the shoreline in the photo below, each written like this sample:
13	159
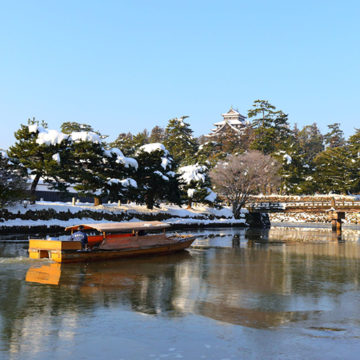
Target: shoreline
52	218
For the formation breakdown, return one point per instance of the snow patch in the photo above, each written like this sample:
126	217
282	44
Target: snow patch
149	148
51	137
211	195
56	157
192	173
78	136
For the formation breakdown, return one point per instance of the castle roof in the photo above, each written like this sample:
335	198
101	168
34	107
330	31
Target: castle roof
233	113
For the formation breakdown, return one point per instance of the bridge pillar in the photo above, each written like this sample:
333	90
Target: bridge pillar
336	218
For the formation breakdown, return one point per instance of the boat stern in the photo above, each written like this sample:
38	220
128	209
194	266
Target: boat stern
51	249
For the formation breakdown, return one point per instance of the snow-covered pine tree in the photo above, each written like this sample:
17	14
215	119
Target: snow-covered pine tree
129	143
295	174
195	184
118	173
156	177
179	141
41	152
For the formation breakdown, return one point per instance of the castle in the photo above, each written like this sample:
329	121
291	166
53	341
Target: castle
233	121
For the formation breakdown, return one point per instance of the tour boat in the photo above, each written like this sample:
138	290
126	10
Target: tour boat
111	240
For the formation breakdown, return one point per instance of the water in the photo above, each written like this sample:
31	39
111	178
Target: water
287	293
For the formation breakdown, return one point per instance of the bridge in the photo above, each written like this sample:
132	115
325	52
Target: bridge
336	208
267	205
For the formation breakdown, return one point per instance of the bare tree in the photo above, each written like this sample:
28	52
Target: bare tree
239	176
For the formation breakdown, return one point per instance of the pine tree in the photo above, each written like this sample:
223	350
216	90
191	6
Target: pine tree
125	143
70	127
353	145
41	152
271	127
12	181
179	141
117	173
335	137
140	139
209	153
334	171
311	142
233	142
129	143
157	135
156	177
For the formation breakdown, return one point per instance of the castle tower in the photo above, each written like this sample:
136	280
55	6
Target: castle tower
233	120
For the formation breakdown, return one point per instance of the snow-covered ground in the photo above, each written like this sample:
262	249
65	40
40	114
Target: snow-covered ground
198	215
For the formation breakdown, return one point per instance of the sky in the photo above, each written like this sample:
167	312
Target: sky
124	66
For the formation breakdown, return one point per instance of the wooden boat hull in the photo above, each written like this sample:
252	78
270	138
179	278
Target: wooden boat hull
70	252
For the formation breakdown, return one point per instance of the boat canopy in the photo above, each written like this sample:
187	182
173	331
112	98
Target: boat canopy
112	227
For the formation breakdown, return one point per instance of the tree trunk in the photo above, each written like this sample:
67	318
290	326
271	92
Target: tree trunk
236	208
97	201
33	188
149	201
189	204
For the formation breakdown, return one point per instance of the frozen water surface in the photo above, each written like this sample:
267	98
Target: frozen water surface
287	293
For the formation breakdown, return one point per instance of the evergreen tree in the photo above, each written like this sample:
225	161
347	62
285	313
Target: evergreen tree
157	135
140	139
195	184
233	142
41	151
12	181
353	146
335	136
334	171
70	127
271	127
156	177
129	143
209	153
125	143
117	174
311	142
179	141
99	172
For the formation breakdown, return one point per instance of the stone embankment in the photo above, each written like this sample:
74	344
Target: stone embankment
51	218
306	217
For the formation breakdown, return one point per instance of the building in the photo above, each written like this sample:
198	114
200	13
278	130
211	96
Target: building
233	121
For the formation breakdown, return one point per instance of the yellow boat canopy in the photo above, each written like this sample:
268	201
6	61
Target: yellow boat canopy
122	226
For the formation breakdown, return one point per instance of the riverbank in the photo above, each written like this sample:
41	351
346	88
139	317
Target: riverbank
51	217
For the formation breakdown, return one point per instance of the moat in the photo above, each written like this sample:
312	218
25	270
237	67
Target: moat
283	293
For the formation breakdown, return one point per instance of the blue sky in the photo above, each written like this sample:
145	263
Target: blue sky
128	65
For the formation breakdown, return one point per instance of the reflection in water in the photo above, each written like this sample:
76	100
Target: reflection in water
296	235
258	280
